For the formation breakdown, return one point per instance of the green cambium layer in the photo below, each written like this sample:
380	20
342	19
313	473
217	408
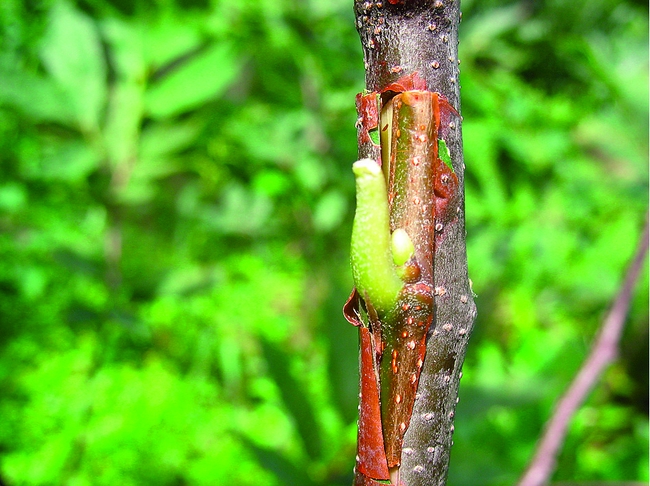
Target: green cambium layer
444	155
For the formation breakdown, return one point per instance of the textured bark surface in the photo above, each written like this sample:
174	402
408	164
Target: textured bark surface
398	39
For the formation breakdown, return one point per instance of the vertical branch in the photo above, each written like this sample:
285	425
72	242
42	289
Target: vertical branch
402	37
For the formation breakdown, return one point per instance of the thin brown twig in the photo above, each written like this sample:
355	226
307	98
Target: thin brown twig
599	483
603	352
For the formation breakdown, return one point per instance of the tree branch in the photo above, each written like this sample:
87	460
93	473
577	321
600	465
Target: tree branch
402	37
603	352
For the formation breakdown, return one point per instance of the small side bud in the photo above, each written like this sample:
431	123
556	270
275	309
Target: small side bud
402	246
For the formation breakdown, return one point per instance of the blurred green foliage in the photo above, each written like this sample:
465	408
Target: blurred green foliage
175	206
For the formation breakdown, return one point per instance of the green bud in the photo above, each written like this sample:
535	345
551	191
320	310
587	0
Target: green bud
402	246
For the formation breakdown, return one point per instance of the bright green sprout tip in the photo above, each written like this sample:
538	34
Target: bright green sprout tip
366	167
373	268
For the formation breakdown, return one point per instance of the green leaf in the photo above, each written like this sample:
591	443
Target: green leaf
160	140
62	161
295	399
240	211
169	38
36	97
13	197
126	102
271	183
329	211
73	56
203	77
286	471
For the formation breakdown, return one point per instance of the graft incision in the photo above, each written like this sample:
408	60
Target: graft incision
421	192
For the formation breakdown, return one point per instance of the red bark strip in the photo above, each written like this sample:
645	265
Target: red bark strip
410	82
401	365
367	122
371	456
368	116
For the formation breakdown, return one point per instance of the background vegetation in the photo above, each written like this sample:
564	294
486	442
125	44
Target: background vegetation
175	210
